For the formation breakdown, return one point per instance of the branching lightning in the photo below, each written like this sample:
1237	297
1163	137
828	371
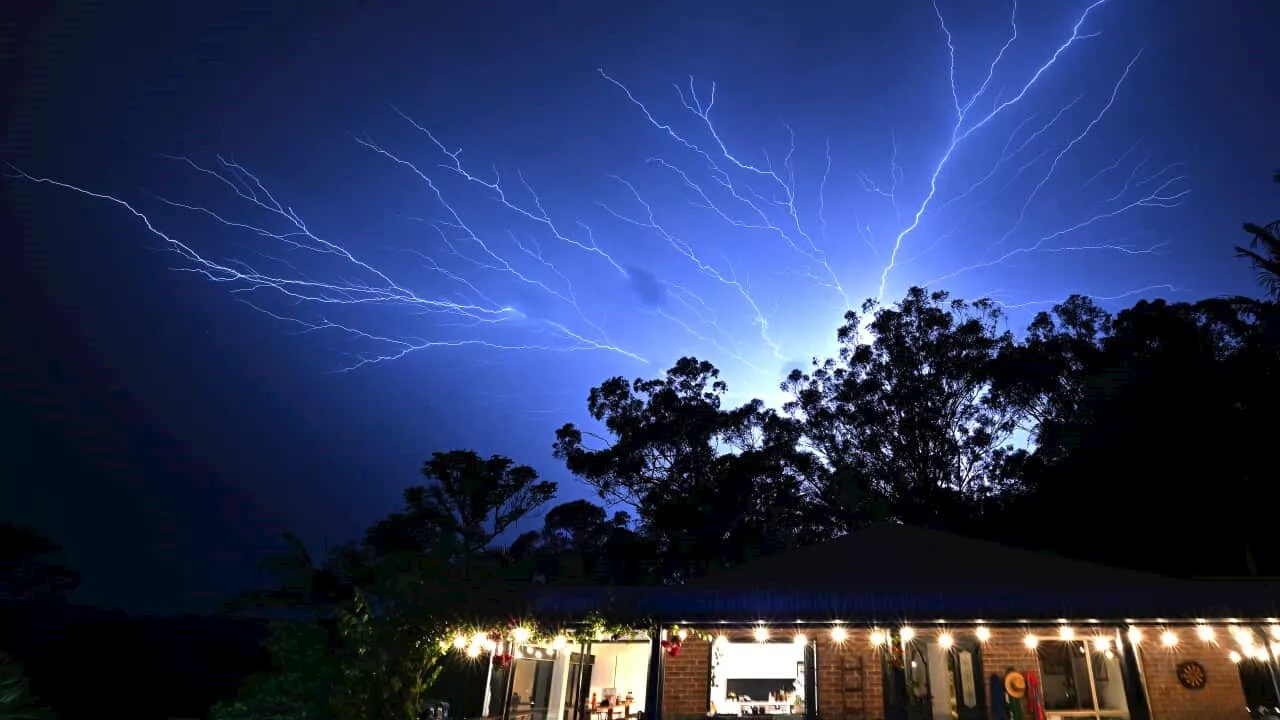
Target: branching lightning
473	272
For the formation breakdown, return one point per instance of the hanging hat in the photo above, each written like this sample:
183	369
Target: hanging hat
1015	685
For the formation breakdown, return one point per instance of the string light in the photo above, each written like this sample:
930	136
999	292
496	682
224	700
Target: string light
473	651
1235	656
1031	641
1169	638
907	634
1135	636
801	639
945	641
1066	632
1102	643
459	642
520	634
878	638
682	634
559	642
761	633
479	638
722	640
1205	633
983	633
839	635
1275	631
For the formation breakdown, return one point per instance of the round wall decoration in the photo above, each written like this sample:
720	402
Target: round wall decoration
1192	675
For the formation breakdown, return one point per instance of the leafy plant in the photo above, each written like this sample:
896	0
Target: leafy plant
16	700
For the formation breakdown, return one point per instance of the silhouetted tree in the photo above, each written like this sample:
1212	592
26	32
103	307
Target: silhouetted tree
903	423
1264	252
709	485
1172	428
29	568
468	504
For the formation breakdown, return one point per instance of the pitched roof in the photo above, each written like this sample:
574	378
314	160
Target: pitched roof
891	571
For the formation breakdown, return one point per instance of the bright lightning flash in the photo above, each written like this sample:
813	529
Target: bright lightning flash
462	295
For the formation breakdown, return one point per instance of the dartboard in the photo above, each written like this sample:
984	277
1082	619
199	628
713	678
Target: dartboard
1192	675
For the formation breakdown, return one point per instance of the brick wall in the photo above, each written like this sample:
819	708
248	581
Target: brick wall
858	693
1222	697
686	681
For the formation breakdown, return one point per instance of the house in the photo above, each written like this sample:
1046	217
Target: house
892	622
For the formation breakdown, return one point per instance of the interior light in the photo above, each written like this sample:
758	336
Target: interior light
1066	632
839	634
907	634
1205	633
761	633
945	641
520	634
801	639
1101	643
1031	641
1168	638
983	633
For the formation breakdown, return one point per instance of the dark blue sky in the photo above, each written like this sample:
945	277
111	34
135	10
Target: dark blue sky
165	432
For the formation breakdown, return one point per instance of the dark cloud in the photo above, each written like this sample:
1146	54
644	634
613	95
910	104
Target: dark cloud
646	286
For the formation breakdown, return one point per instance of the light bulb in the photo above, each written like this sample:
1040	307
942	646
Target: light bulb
761	634
801	639
1235	656
559	642
878	638
983	633
1168	638
1031	641
839	635
682	634
1067	633
945	641
459	642
520	634
907	634
473	651
1102	644
1135	636
1205	633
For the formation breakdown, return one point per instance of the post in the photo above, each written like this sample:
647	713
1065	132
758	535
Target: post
811	680
653	682
1135	691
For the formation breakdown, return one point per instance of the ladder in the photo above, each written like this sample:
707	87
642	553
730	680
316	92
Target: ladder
853	681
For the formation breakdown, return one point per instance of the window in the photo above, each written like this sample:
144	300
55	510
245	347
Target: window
758	678
1082	679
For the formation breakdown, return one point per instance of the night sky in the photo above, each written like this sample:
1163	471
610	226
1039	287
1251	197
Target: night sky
328	295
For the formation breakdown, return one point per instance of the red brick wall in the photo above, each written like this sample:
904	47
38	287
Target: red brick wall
1222	697
861	695
686	681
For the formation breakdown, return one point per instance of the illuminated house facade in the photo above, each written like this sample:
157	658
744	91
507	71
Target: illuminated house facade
893	623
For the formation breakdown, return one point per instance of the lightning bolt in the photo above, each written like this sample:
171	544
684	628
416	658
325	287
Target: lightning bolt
356	281
470	280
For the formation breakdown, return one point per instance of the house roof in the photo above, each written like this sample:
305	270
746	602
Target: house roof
891	571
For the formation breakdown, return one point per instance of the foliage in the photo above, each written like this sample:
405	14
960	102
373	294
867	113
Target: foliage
711	486
1263	252
29	569
299	684
905	425
16	700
